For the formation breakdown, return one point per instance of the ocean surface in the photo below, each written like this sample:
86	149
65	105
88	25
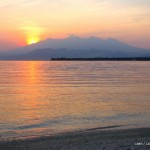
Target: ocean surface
48	97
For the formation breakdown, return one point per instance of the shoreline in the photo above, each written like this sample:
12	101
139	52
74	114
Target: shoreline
92	139
102	59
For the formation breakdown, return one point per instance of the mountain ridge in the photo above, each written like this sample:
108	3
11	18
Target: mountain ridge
74	46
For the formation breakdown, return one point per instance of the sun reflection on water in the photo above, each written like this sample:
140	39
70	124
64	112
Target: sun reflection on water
59	96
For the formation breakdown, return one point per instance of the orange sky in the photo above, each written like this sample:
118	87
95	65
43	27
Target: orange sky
27	21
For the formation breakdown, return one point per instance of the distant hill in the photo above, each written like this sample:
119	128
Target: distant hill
75	47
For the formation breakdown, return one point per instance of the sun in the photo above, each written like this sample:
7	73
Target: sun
32	40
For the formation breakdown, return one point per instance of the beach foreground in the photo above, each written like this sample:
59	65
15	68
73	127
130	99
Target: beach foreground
93	139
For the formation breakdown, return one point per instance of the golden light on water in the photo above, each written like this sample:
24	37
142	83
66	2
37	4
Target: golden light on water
32	40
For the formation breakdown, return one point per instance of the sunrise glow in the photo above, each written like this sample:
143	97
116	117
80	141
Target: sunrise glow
32	40
23	20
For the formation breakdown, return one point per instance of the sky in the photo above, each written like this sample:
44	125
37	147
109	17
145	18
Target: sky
28	21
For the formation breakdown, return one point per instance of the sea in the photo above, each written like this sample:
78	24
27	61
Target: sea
39	98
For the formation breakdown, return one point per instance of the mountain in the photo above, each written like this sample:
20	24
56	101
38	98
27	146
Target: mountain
74	46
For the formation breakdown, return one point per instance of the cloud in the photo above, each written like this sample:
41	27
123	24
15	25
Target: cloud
4	3
60	17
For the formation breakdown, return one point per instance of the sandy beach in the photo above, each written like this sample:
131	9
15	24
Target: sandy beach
93	139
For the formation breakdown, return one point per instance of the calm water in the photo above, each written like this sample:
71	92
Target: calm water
38	98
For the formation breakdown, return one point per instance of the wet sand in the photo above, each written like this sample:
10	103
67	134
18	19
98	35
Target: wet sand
92	139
